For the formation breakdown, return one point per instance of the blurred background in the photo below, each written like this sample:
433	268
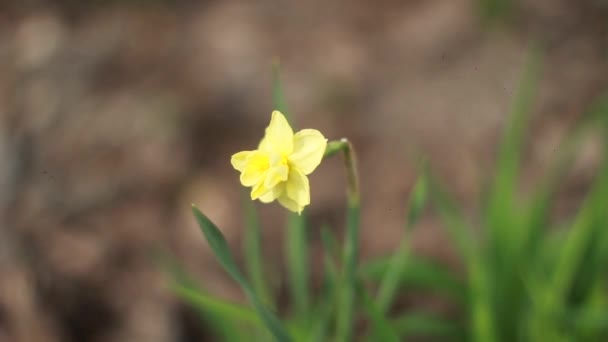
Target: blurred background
115	116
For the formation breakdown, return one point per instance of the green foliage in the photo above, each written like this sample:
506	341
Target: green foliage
526	277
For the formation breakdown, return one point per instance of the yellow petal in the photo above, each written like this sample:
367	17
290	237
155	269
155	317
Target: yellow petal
289	203
272	195
256	166
279	135
297	188
239	160
308	149
259	190
251	176
276	175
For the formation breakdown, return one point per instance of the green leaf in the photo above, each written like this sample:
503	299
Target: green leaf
480	279
590	322
420	273
494	11
328	299
504	234
418	200
381	328
223	309
588	228
390	281
278	96
538	208
219	315
218	245
455	222
392	277
426	324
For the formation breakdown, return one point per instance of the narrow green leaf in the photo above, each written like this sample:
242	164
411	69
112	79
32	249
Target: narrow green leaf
494	11
504	234
421	324
381	328
418	200
328	299
455	223
480	286
330	243
390	283
218	245
420	273
538	208
221	320
221	308
592	217
591	321
278	96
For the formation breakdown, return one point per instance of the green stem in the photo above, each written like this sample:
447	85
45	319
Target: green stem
345	314
297	242
253	251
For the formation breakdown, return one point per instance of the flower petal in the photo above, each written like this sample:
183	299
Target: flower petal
259	190
308	149
239	160
289	203
297	188
279	135
256	167
274	194
276	175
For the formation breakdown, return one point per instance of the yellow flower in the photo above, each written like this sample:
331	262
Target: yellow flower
278	168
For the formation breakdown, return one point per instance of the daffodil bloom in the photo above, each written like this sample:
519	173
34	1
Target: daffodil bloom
278	169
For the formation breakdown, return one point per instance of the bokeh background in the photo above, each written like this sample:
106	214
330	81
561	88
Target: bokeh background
115	116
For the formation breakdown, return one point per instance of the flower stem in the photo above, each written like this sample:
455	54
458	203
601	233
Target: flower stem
346	300
350	163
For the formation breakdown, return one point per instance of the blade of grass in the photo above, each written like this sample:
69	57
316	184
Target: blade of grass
591	217
454	220
278	96
420	273
422	324
219	315
390	283
381	329
481	313
571	264
494	11
538	208
500	213
218	245
328	297
505	226
591	322
221	308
